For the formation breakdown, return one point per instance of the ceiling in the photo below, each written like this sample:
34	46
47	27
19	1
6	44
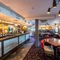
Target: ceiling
32	8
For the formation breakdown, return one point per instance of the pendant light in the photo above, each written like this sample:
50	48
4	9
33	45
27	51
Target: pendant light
59	13
48	12
54	4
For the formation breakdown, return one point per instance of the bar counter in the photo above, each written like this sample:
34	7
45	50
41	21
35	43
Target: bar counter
10	44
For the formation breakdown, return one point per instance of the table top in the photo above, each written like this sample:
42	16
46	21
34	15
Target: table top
53	41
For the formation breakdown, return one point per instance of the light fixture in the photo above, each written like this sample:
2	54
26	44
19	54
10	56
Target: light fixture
59	13
54	4
16	24
3	21
48	11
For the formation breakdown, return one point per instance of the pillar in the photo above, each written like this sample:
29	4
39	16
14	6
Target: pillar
37	42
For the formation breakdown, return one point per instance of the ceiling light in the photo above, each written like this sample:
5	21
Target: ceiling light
2	21
48	11
54	4
59	13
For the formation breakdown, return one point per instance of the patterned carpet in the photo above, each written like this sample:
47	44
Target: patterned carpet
37	53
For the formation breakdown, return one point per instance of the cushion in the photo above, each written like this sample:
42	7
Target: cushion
48	50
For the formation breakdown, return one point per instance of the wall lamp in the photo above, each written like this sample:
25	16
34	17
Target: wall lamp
54	5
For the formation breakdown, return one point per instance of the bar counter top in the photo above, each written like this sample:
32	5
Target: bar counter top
12	36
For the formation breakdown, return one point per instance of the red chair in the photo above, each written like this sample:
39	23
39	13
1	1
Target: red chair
47	51
42	44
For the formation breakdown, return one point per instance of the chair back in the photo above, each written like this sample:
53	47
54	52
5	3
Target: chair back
42	44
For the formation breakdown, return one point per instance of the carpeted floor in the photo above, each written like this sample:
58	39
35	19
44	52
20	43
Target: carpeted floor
36	53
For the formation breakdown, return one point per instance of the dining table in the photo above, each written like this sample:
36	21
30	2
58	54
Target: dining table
55	43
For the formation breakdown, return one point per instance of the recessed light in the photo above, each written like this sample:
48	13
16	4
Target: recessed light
32	7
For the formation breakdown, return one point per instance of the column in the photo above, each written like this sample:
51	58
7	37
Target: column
37	43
